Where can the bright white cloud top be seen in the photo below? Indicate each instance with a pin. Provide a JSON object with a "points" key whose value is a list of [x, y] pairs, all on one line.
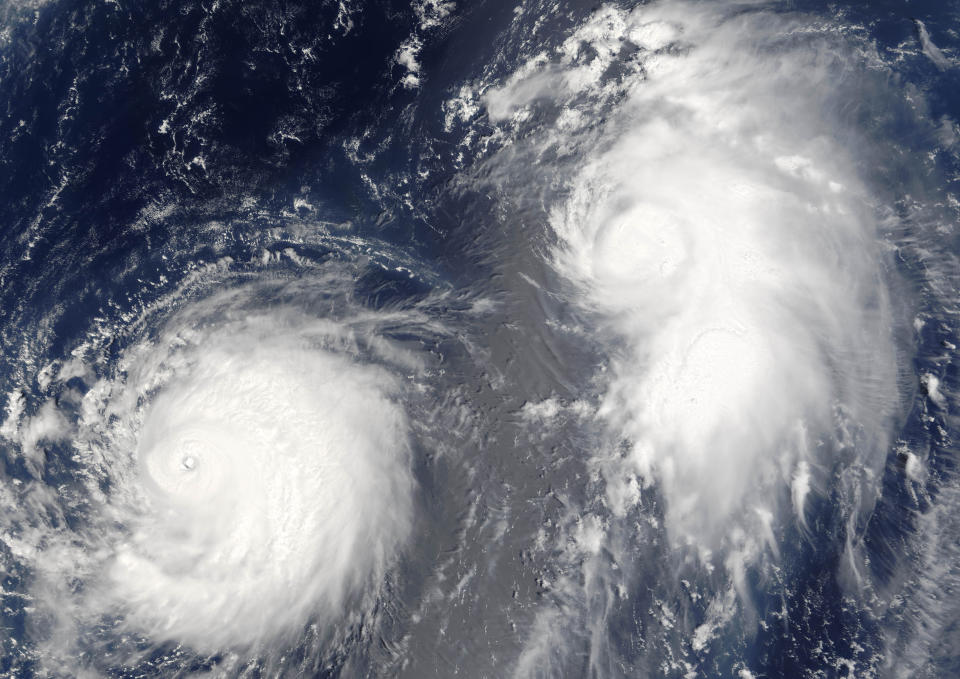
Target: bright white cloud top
{"points": [[273, 482], [245, 470], [717, 226]]}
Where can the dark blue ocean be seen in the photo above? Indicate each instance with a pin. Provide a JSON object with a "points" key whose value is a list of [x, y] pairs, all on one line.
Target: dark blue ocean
{"points": [[487, 339]]}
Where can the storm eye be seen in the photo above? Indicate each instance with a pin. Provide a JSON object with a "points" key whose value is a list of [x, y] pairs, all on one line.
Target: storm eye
{"points": [[189, 463]]}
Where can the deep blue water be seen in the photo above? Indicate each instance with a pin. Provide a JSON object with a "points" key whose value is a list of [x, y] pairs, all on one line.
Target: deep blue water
{"points": [[142, 141]]}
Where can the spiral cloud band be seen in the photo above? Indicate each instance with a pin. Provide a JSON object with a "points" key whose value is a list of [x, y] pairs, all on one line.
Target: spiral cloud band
{"points": [[276, 482], [244, 473], [718, 229]]}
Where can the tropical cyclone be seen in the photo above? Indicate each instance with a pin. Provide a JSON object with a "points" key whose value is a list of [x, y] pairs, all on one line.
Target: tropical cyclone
{"points": [[245, 470], [276, 481]]}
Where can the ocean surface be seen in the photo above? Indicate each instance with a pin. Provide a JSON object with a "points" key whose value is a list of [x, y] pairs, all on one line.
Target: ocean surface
{"points": [[483, 339]]}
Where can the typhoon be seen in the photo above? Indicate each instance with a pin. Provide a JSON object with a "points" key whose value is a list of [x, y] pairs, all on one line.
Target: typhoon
{"points": [[496, 339], [724, 235], [243, 469], [719, 229]]}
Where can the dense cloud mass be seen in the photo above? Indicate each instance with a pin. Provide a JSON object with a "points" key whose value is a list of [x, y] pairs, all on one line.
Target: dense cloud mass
{"points": [[275, 482], [246, 468], [719, 228]]}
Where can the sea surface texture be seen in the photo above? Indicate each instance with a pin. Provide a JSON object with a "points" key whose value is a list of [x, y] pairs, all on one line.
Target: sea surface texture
{"points": [[479, 338]]}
